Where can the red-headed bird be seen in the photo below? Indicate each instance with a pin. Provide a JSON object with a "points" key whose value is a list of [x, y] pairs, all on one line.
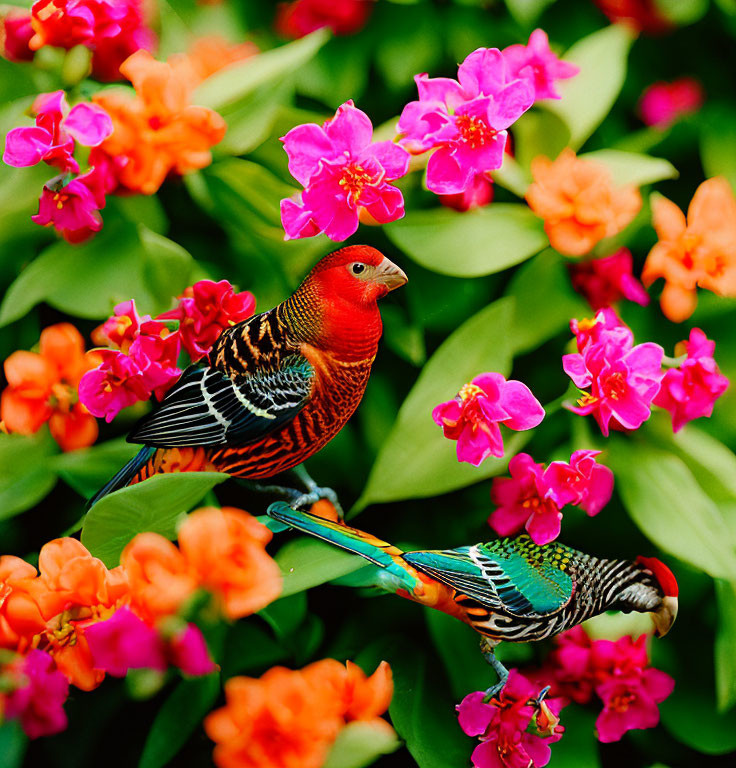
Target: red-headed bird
{"points": [[277, 387]]}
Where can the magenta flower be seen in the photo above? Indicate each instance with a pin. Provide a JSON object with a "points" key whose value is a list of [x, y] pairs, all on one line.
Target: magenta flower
{"points": [[582, 482], [38, 701], [523, 501], [205, 310], [502, 725], [479, 193], [690, 391], [188, 651], [662, 104], [342, 173], [536, 62], [124, 642], [16, 34], [605, 281], [122, 329], [465, 121], [473, 416], [57, 127]]}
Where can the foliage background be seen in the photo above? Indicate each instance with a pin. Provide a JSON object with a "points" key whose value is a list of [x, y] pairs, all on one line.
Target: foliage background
{"points": [[483, 295]]}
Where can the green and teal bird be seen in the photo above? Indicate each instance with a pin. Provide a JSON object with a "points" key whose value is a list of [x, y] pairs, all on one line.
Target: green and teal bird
{"points": [[507, 590]]}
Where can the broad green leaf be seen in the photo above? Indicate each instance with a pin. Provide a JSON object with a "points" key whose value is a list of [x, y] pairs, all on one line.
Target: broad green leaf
{"points": [[633, 168], [88, 469], [588, 97], [225, 89], [682, 12], [469, 244], [718, 141], [13, 743], [725, 658], [286, 614], [250, 647], [361, 743], [307, 562], [26, 471], [526, 12], [544, 301], [672, 510], [154, 505], [177, 719], [416, 460], [339, 72], [512, 176], [578, 748], [163, 258], [538, 132]]}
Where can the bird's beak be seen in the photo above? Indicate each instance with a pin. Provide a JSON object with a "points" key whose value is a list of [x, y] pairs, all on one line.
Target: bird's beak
{"points": [[388, 274], [665, 616]]}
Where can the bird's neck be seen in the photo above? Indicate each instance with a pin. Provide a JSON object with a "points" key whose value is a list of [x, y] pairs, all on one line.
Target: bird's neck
{"points": [[618, 585], [349, 331]]}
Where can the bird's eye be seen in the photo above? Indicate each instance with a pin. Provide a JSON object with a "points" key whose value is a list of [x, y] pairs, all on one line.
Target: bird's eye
{"points": [[357, 268]]}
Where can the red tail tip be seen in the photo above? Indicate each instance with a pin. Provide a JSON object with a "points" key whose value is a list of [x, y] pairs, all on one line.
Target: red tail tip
{"points": [[662, 573]]}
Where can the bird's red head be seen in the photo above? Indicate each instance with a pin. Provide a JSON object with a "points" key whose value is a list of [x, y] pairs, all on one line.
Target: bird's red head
{"points": [[665, 577]]}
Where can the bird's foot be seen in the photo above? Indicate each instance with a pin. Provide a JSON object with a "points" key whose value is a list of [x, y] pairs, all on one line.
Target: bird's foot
{"points": [[498, 668], [316, 493], [290, 495]]}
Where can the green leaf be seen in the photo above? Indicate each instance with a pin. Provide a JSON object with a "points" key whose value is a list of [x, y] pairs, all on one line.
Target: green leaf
{"points": [[177, 719], [162, 259], [682, 12], [88, 469], [725, 659], [307, 562], [578, 748], [13, 744], [154, 505], [416, 461], [544, 301], [672, 510], [361, 743], [633, 168], [469, 244], [588, 97], [718, 141], [538, 132], [526, 12], [225, 89], [286, 614], [26, 471]]}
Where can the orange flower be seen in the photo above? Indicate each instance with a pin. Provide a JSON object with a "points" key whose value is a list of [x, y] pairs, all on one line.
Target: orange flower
{"points": [[227, 550], [43, 388], [291, 718], [158, 131], [699, 251], [159, 577], [20, 618], [579, 203], [207, 56]]}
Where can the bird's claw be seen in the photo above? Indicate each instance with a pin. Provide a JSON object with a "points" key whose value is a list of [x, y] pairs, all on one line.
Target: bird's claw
{"points": [[316, 493]]}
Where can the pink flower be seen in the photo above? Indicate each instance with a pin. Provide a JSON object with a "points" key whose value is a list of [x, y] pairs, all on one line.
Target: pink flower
{"points": [[523, 501], [343, 17], [473, 416], [342, 172], [502, 725], [205, 310], [569, 666], [124, 642], [120, 330], [188, 651], [536, 62], [623, 379], [464, 121], [38, 702], [690, 391], [662, 104], [479, 193], [52, 138], [16, 33], [582, 482], [608, 280]]}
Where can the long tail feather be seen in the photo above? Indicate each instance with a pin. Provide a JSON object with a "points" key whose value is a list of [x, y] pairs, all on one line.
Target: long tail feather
{"points": [[125, 475]]}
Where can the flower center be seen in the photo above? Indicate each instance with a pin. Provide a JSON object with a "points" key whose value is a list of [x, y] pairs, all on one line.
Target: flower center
{"points": [[622, 702], [587, 399], [60, 199], [615, 386], [474, 131], [587, 323], [470, 392], [353, 179]]}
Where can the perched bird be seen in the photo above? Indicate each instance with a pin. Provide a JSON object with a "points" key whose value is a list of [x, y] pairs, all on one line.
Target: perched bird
{"points": [[507, 590], [276, 387]]}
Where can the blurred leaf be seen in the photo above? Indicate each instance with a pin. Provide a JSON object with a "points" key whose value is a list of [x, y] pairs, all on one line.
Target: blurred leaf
{"points": [[307, 562], [177, 719], [403, 337], [338, 73], [588, 97], [26, 472], [512, 176], [226, 89], [286, 614], [665, 501], [718, 141], [682, 12], [526, 12], [163, 258], [538, 132], [416, 461], [361, 743], [151, 506], [544, 301], [725, 658], [633, 168], [13, 744], [16, 80], [248, 648], [469, 244], [578, 748], [88, 469], [140, 209]]}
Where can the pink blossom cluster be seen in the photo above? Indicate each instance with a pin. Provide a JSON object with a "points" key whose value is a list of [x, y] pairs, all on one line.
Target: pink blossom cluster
{"points": [[473, 416], [691, 390], [503, 725], [607, 280], [144, 359], [343, 17], [619, 381], [662, 104], [70, 202], [533, 496], [617, 673]]}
